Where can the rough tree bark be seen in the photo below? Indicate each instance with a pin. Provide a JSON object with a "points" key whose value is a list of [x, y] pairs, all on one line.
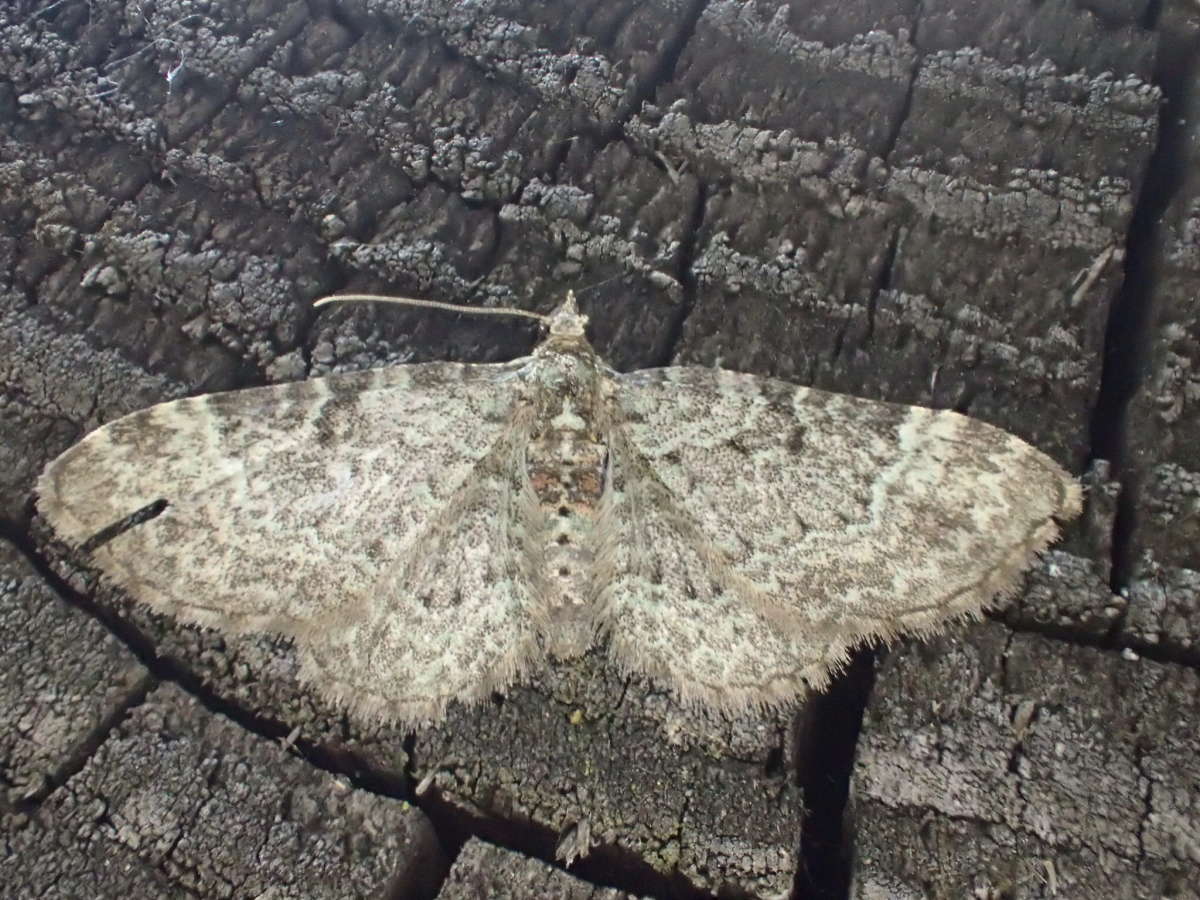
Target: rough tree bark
{"points": [[928, 201]]}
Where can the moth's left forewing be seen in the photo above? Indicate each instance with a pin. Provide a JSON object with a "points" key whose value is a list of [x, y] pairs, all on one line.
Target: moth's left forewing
{"points": [[852, 517]]}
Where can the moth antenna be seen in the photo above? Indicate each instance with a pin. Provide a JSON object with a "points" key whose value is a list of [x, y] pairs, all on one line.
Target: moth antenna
{"points": [[434, 304]]}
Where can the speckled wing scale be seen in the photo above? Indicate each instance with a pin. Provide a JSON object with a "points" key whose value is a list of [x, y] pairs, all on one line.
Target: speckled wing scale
{"points": [[428, 533]]}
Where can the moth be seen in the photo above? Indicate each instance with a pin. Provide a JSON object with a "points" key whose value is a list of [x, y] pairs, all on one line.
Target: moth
{"points": [[429, 533]]}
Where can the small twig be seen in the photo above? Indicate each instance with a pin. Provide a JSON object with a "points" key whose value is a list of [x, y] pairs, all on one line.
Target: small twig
{"points": [[1091, 275], [172, 73], [46, 9]]}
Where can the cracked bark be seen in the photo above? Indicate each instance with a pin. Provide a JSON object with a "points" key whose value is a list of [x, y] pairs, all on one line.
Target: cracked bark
{"points": [[754, 183]]}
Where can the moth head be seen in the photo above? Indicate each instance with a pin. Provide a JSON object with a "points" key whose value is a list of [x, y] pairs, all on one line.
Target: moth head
{"points": [[566, 320]]}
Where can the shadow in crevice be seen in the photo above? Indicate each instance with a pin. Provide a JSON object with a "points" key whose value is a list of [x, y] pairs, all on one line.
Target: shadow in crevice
{"points": [[825, 761], [687, 19], [604, 866], [1129, 330], [673, 339], [892, 138], [1109, 642]]}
